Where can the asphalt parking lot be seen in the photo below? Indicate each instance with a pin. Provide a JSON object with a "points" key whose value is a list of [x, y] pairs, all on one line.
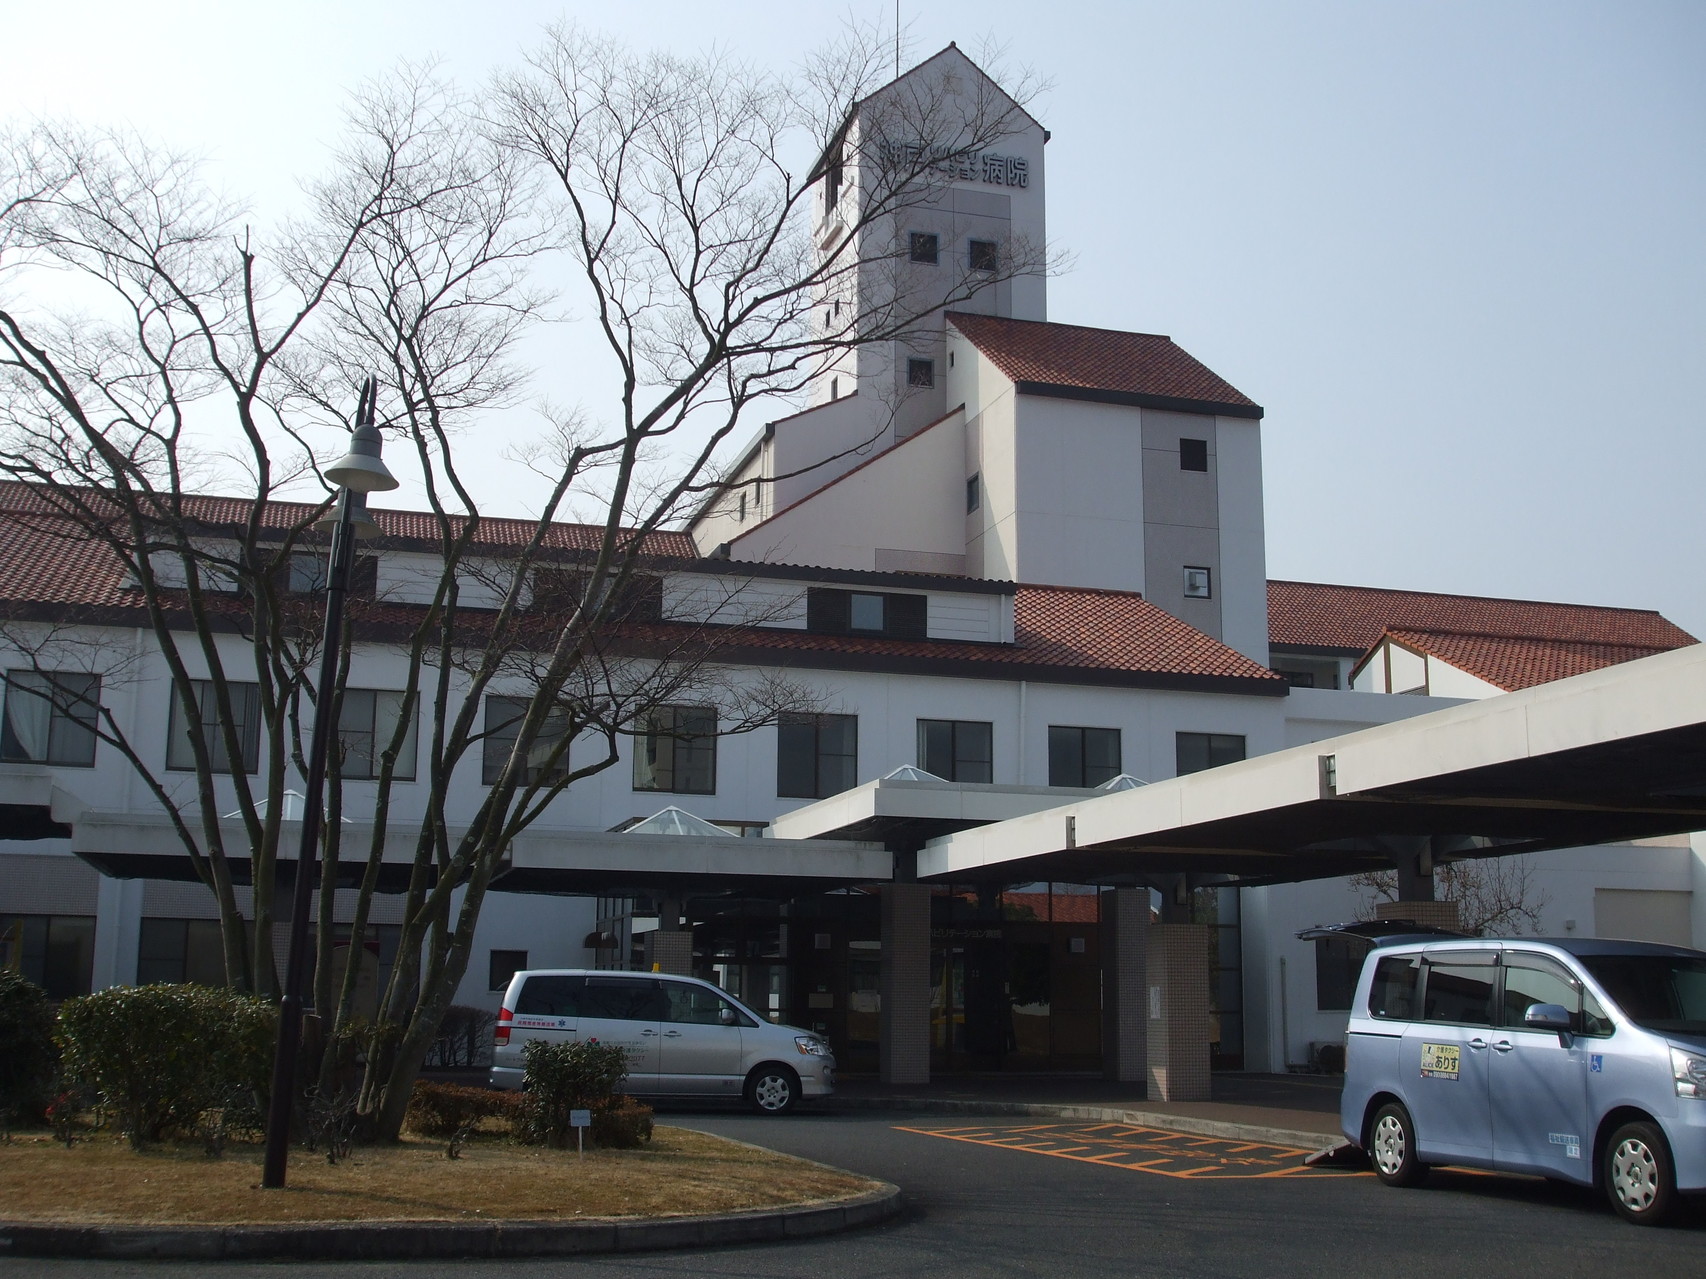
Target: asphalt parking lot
{"points": [[993, 1200]]}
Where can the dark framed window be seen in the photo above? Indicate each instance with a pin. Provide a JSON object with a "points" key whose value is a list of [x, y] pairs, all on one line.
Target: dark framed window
{"points": [[1393, 993], [678, 751], [1459, 990], [1193, 455], [816, 755], [840, 612], [639, 598], [959, 750], [924, 247], [366, 725], [503, 726], [50, 717], [974, 493], [984, 255], [56, 952], [1082, 756], [1199, 582], [1537, 979], [921, 372], [180, 950], [305, 574], [501, 965], [246, 722], [1196, 751]]}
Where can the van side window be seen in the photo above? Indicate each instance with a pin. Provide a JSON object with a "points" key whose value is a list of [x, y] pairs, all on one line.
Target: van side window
{"points": [[550, 997], [622, 999], [1459, 993], [1537, 979], [697, 1006], [1393, 994]]}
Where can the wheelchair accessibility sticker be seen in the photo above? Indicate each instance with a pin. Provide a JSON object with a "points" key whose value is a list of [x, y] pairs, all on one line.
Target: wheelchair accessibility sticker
{"points": [[1440, 1061], [1596, 1063]]}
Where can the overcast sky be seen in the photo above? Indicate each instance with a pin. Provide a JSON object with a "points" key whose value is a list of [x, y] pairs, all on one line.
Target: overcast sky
{"points": [[1458, 251]]}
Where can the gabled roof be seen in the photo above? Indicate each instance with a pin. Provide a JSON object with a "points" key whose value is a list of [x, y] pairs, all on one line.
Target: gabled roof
{"points": [[1351, 619], [1513, 662], [1070, 361]]}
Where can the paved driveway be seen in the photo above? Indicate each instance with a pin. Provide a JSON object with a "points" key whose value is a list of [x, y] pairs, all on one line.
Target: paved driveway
{"points": [[980, 1209]]}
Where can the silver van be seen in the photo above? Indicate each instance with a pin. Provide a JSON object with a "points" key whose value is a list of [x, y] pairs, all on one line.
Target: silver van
{"points": [[684, 1037], [1579, 1060]]}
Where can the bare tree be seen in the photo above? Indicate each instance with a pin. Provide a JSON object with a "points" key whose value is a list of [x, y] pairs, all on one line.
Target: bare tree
{"points": [[1494, 895], [685, 195]]}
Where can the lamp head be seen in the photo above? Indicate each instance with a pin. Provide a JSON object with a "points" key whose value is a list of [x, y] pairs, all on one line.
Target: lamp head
{"points": [[360, 470]]}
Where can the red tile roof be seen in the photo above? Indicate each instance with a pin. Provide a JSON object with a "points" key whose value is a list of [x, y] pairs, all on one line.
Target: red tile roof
{"points": [[1318, 616], [47, 565], [1510, 662], [18, 499], [1072, 357]]}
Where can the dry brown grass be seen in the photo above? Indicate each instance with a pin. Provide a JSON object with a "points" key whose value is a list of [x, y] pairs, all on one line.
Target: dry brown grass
{"points": [[101, 1181]]}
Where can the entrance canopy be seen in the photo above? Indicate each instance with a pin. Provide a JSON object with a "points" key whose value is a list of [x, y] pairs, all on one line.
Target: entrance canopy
{"points": [[1612, 755]]}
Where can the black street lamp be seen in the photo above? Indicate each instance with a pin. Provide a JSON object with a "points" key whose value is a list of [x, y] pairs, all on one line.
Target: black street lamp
{"points": [[358, 473]]}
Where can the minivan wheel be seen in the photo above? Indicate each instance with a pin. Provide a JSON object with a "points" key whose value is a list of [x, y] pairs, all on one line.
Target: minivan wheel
{"points": [[1392, 1147], [1639, 1178], [772, 1090]]}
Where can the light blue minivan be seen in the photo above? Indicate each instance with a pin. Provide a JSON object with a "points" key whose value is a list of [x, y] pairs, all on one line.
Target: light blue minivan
{"points": [[1579, 1060]]}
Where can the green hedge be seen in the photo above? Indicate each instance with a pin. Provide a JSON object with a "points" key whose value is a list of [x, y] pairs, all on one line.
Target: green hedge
{"points": [[559, 1078], [29, 1059], [157, 1057]]}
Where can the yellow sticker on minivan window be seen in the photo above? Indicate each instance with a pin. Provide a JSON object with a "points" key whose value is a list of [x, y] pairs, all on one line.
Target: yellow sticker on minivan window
{"points": [[1439, 1061]]}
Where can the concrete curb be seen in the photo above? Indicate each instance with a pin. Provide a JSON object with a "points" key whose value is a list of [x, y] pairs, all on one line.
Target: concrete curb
{"points": [[408, 1240], [1294, 1138]]}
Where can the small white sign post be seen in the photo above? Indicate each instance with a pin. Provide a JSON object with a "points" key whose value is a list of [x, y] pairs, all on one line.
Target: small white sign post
{"points": [[580, 1121]]}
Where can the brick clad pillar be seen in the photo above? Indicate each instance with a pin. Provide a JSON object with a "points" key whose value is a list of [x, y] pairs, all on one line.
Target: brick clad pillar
{"points": [[669, 951], [1178, 1011], [1440, 914], [904, 1051], [1125, 942]]}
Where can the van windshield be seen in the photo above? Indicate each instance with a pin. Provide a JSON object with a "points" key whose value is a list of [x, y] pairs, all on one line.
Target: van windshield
{"points": [[1658, 992]]}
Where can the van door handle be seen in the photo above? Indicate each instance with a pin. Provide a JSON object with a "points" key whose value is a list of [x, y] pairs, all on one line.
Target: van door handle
{"points": [[1477, 1043], [648, 1032], [1502, 1046], [672, 1034]]}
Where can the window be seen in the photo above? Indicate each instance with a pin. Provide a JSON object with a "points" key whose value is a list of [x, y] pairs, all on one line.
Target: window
{"points": [[366, 725], [503, 726], [678, 751], [1193, 455], [832, 185], [245, 724], [1338, 964], [956, 749], [553, 996], [741, 513], [56, 952], [621, 999], [639, 598], [180, 950], [1393, 994], [1297, 679], [501, 965], [974, 493], [1535, 979], [1459, 991], [305, 574], [50, 717], [696, 1006], [1194, 752], [984, 255], [921, 373], [923, 246], [839, 612], [1082, 756], [1199, 583], [835, 388], [816, 755]]}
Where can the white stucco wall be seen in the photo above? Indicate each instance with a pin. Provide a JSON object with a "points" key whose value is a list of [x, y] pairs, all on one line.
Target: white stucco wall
{"points": [[1243, 537]]}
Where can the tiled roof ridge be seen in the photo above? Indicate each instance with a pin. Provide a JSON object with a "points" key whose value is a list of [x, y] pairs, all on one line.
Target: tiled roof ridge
{"points": [[1458, 595], [979, 318], [1521, 637]]}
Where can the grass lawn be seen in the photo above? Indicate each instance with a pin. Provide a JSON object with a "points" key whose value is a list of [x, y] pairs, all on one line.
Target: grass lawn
{"points": [[100, 1180]]}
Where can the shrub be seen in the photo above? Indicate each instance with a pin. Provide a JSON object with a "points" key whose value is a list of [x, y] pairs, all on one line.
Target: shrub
{"points": [[464, 1038], [158, 1056], [443, 1110], [622, 1124], [561, 1078], [28, 1058]]}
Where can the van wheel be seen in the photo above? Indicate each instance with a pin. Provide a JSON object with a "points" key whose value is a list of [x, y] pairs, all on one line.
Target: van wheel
{"points": [[1639, 1178], [772, 1090], [1392, 1147]]}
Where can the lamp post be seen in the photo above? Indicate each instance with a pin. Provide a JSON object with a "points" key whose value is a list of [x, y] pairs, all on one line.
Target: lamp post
{"points": [[358, 473]]}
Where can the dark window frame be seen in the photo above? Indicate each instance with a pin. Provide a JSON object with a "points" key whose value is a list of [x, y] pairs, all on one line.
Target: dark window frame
{"points": [[506, 963], [1217, 750], [829, 611], [1059, 748], [680, 739], [499, 739], [72, 716], [1207, 591], [44, 962], [807, 732], [959, 762], [924, 248], [920, 373], [246, 709], [974, 492], [983, 256], [1193, 454], [408, 754]]}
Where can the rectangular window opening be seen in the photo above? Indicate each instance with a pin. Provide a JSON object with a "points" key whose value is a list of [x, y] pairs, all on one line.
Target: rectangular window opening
{"points": [[50, 717], [923, 247], [974, 493], [957, 750], [504, 716], [1082, 756], [1193, 455], [1199, 582], [678, 751], [921, 373], [816, 755], [1195, 752], [984, 255], [245, 701]]}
